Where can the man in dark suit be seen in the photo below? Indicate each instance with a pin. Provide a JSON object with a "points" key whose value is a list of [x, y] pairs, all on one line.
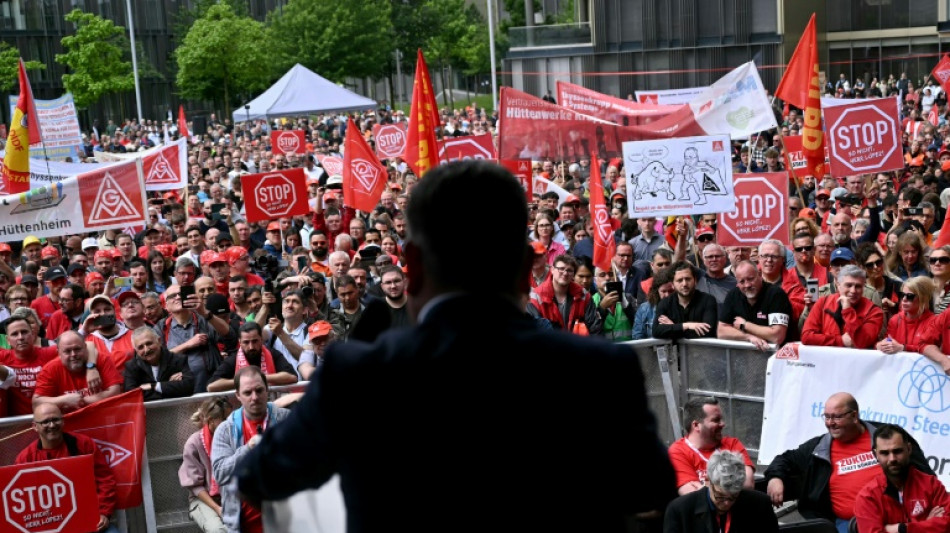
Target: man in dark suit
{"points": [[722, 505], [431, 428], [159, 373]]}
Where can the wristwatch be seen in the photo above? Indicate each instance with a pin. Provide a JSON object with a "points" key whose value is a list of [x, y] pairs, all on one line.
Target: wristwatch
{"points": [[90, 366], [742, 327]]}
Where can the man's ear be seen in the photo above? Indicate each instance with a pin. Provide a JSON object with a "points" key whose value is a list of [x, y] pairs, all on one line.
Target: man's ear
{"points": [[414, 267]]}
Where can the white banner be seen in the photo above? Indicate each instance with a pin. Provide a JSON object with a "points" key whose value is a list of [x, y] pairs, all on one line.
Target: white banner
{"points": [[59, 125], [165, 167], [682, 176], [669, 96], [905, 389], [736, 104], [105, 198]]}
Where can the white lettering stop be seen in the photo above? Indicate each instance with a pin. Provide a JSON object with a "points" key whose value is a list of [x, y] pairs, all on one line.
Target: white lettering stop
{"points": [[274, 194], [34, 499], [862, 135], [754, 206]]}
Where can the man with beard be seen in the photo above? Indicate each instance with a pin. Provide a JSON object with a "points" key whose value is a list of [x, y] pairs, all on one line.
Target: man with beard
{"points": [[319, 252], [152, 308], [252, 352], [63, 380], [841, 227], [159, 373], [393, 283], [239, 261], [900, 495], [756, 311], [72, 300], [688, 313], [772, 265], [703, 423]]}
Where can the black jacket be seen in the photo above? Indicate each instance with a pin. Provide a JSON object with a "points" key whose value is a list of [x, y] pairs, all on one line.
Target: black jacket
{"points": [[692, 513], [554, 434], [138, 372], [806, 470]]}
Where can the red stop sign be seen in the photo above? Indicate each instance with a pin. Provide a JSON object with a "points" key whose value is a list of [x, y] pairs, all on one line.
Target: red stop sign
{"points": [[275, 194], [761, 211], [864, 136], [463, 148], [390, 140], [51, 496]]}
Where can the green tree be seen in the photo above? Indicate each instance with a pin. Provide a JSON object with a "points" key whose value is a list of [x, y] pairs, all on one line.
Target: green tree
{"points": [[94, 57], [334, 39], [10, 68], [223, 55]]}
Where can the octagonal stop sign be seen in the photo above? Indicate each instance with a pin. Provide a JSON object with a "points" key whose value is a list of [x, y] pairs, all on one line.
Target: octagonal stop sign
{"points": [[761, 211], [56, 496], [275, 195], [864, 137]]}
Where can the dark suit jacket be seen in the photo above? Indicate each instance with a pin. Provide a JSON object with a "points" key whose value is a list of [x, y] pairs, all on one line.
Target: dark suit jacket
{"points": [[473, 420], [691, 513], [138, 372]]}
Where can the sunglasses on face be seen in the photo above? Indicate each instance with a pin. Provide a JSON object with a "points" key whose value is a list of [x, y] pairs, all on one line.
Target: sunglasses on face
{"points": [[943, 260], [704, 238], [874, 264], [803, 249], [909, 296]]}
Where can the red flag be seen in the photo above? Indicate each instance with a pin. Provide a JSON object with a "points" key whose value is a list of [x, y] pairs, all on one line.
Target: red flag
{"points": [[941, 72], [24, 131], [117, 425], [604, 245], [364, 177], [421, 148], [182, 123], [933, 116], [799, 87]]}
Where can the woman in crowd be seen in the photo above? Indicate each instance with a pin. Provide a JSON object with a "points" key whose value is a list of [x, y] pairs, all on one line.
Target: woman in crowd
{"points": [[661, 287], [158, 278], [804, 225], [390, 245], [940, 271], [204, 500], [585, 275], [907, 330], [544, 232], [871, 259], [906, 259]]}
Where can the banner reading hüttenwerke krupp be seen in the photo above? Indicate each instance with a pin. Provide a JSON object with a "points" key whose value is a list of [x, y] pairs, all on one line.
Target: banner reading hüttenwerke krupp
{"points": [[105, 198], [905, 389]]}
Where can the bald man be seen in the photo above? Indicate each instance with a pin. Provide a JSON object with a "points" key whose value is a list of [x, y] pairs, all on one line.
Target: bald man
{"points": [[54, 443], [62, 381], [832, 467]]}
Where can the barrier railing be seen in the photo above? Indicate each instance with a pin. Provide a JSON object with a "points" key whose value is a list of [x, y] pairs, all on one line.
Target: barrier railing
{"points": [[734, 372]]}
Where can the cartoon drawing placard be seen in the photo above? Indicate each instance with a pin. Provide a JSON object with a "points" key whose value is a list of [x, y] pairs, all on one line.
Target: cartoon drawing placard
{"points": [[683, 176]]}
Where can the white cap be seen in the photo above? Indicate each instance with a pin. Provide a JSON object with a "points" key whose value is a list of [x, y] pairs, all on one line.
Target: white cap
{"points": [[89, 242]]}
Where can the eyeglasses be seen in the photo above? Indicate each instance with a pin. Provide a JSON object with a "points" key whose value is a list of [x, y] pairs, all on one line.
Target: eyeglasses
{"points": [[770, 257], [874, 264], [803, 249], [909, 296], [545, 225], [721, 496], [704, 238], [841, 416], [49, 421], [172, 296], [714, 257], [564, 270], [625, 255], [943, 260]]}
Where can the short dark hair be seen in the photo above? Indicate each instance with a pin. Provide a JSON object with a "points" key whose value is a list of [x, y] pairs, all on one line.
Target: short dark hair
{"points": [[250, 326], [685, 265], [887, 431], [249, 369], [79, 293], [694, 410]]}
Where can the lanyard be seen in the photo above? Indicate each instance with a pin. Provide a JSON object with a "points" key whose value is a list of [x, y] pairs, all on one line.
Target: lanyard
{"points": [[724, 528], [691, 447]]}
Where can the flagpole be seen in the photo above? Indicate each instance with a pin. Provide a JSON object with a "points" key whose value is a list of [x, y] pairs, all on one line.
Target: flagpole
{"points": [[491, 50], [135, 64]]}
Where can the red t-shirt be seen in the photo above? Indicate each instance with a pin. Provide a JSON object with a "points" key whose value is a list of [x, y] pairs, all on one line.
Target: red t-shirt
{"points": [[55, 380], [119, 348], [20, 395], [45, 308], [251, 521], [689, 463], [853, 465]]}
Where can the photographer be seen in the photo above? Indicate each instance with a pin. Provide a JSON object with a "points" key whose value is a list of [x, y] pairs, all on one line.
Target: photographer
{"points": [[288, 337]]}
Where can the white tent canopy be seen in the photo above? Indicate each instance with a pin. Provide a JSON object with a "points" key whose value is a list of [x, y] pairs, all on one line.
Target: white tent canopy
{"points": [[301, 92]]}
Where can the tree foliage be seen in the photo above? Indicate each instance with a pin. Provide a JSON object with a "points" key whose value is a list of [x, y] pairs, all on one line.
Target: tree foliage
{"points": [[94, 57], [334, 39], [223, 55], [10, 68]]}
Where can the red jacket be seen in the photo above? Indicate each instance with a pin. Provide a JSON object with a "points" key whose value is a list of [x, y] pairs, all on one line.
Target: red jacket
{"points": [[912, 333], [105, 480], [319, 222], [937, 332], [862, 323], [793, 288], [543, 299], [877, 504], [58, 323]]}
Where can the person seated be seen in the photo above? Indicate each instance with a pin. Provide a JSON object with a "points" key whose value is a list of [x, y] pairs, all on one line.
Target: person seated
{"points": [[756, 311], [726, 504], [922, 501], [252, 352], [204, 494], [661, 287], [54, 443], [846, 319], [689, 313], [159, 373], [907, 330], [64, 380], [703, 423]]}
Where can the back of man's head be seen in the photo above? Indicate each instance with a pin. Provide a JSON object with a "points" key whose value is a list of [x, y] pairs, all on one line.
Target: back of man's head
{"points": [[432, 216]]}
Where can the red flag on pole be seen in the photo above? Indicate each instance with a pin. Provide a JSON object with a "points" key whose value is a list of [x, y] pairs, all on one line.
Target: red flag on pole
{"points": [[182, 123], [364, 177], [941, 72], [799, 87], [933, 117], [24, 131], [421, 148], [117, 425], [604, 245]]}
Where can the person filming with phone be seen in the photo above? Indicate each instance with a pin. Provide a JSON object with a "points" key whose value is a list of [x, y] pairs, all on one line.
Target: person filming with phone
{"points": [[186, 332]]}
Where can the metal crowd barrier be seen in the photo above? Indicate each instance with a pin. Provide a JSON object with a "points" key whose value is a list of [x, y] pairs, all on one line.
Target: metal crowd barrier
{"points": [[733, 372]]}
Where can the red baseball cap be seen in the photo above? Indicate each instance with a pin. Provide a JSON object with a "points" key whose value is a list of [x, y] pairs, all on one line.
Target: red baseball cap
{"points": [[116, 253], [273, 226], [102, 253], [235, 254], [539, 249], [94, 276], [704, 230], [823, 192], [5, 248], [320, 328], [215, 257], [49, 252], [206, 256]]}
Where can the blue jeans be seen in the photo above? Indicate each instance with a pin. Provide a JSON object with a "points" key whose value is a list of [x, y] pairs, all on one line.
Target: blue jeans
{"points": [[842, 525]]}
